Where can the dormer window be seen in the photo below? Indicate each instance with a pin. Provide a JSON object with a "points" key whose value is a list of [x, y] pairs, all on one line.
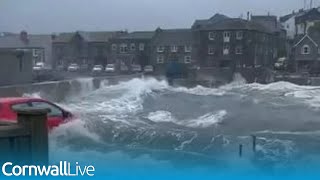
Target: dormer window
{"points": [[305, 49]]}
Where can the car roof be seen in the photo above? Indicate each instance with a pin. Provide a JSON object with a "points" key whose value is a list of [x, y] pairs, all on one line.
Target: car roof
{"points": [[18, 99]]}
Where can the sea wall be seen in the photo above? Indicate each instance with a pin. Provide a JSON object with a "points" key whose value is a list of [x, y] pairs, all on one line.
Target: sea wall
{"points": [[58, 90]]}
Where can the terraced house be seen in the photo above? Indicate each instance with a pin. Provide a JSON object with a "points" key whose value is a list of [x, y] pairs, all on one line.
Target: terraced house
{"points": [[132, 48], [172, 45], [83, 48], [234, 43]]}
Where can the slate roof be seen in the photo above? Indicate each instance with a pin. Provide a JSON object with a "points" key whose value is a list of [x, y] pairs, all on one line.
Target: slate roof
{"points": [[138, 35], [34, 41], [214, 19], [237, 24], [102, 36], [287, 17], [179, 37]]}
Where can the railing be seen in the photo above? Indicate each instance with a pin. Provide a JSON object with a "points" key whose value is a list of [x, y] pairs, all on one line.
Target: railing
{"points": [[25, 142]]}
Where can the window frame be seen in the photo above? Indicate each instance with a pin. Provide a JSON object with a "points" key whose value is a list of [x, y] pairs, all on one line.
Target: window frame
{"points": [[187, 61], [160, 59], [114, 47], [141, 46], [239, 35], [188, 48], [132, 46], [226, 47], [123, 48], [304, 48], [160, 49], [212, 35], [239, 48], [174, 48], [211, 52]]}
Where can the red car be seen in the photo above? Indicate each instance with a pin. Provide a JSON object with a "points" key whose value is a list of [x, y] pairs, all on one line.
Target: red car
{"points": [[56, 116]]}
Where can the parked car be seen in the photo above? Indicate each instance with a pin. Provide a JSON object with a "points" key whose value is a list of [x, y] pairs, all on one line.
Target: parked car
{"points": [[148, 69], [73, 67], [136, 68], [97, 69], [56, 116], [39, 66], [110, 68], [124, 69], [281, 64]]}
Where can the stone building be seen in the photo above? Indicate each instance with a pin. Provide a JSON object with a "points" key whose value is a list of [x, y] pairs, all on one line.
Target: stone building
{"points": [[172, 45], [131, 48], [83, 48], [234, 43]]}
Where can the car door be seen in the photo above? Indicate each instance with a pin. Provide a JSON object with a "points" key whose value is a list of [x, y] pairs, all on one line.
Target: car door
{"points": [[55, 116]]}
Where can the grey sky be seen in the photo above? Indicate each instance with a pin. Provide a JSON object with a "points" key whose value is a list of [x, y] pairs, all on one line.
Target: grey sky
{"points": [[46, 16]]}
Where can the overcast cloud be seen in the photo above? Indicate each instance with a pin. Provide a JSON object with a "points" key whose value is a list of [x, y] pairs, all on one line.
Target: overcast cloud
{"points": [[46, 16]]}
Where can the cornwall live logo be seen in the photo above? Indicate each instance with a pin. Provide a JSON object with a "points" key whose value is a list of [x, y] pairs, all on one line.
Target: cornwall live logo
{"points": [[63, 169]]}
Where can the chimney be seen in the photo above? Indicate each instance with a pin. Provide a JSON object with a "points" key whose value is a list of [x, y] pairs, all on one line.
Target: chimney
{"points": [[24, 37], [248, 16]]}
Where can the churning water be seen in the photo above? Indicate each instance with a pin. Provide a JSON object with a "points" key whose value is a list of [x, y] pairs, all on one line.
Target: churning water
{"points": [[144, 123]]}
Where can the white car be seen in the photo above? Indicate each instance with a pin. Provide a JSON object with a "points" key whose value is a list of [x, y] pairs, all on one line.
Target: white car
{"points": [[97, 69], [110, 68], [39, 66], [148, 69], [73, 67]]}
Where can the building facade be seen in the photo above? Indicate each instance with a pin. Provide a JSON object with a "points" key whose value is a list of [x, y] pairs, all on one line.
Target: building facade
{"points": [[235, 43], [83, 48], [15, 66], [172, 45], [305, 20], [132, 48], [40, 45], [307, 52]]}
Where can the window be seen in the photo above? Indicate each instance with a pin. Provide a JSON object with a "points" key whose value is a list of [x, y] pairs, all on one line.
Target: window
{"points": [[160, 49], [239, 35], [36, 52], [226, 36], [141, 46], [123, 48], [239, 50], [21, 106], [174, 48], [54, 111], [226, 50], [212, 35], [187, 48], [160, 59], [133, 47], [187, 59], [114, 47], [210, 50], [305, 49]]}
